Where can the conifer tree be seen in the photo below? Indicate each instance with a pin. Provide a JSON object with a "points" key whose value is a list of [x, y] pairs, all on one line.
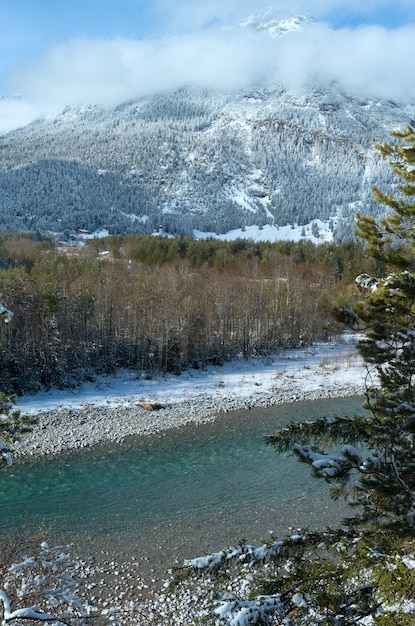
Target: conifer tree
{"points": [[374, 462], [12, 425]]}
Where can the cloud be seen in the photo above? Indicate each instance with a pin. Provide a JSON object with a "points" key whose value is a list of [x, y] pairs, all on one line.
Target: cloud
{"points": [[371, 61], [17, 112]]}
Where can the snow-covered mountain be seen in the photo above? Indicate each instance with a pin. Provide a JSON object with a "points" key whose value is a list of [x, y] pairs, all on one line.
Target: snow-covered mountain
{"points": [[276, 27], [199, 159]]}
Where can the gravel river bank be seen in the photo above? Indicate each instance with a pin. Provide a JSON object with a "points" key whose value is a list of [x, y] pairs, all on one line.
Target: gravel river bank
{"points": [[121, 566], [68, 429]]}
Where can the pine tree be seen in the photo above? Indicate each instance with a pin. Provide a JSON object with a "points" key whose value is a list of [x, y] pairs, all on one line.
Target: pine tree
{"points": [[368, 459], [388, 313], [373, 466]]}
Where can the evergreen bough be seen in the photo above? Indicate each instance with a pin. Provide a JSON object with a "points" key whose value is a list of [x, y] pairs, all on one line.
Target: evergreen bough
{"points": [[363, 572]]}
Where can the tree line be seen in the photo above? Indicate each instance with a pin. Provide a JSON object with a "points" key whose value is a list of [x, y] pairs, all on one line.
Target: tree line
{"points": [[160, 304]]}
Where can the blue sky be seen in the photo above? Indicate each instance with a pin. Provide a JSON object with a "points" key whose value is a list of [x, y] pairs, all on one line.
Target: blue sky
{"points": [[54, 53]]}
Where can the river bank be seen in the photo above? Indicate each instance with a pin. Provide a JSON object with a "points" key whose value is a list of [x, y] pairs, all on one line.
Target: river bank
{"points": [[110, 409], [114, 408]]}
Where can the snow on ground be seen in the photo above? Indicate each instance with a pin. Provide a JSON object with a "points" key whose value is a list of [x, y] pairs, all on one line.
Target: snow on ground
{"points": [[277, 233], [303, 370], [317, 231]]}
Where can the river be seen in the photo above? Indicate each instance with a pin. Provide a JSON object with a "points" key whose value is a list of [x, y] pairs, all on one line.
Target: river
{"points": [[176, 495]]}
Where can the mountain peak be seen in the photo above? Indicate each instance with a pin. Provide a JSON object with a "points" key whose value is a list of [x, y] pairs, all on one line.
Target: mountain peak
{"points": [[275, 26]]}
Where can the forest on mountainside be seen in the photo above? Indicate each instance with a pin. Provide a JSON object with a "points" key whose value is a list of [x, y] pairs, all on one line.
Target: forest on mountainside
{"points": [[198, 159], [159, 304]]}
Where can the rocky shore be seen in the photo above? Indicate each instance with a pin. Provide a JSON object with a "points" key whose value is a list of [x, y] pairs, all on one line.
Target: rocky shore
{"points": [[66, 429]]}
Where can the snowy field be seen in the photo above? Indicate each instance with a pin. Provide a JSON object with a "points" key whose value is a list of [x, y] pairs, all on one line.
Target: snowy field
{"points": [[317, 231], [296, 371]]}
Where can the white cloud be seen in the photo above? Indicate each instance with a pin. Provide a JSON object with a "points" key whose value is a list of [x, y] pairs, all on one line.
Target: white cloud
{"points": [[15, 113], [371, 61]]}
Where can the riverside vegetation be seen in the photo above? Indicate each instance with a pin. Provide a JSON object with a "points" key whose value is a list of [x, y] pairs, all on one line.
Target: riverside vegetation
{"points": [[162, 305]]}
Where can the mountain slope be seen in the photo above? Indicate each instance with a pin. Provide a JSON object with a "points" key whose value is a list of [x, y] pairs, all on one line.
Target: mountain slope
{"points": [[201, 159]]}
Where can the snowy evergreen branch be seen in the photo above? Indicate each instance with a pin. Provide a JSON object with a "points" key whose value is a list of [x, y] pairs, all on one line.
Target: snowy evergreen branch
{"points": [[12, 425], [242, 553]]}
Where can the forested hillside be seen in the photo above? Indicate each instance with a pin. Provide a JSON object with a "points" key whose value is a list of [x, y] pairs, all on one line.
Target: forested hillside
{"points": [[162, 304], [199, 159]]}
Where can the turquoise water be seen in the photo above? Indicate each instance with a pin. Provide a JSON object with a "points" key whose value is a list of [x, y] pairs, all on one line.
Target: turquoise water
{"points": [[175, 495]]}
